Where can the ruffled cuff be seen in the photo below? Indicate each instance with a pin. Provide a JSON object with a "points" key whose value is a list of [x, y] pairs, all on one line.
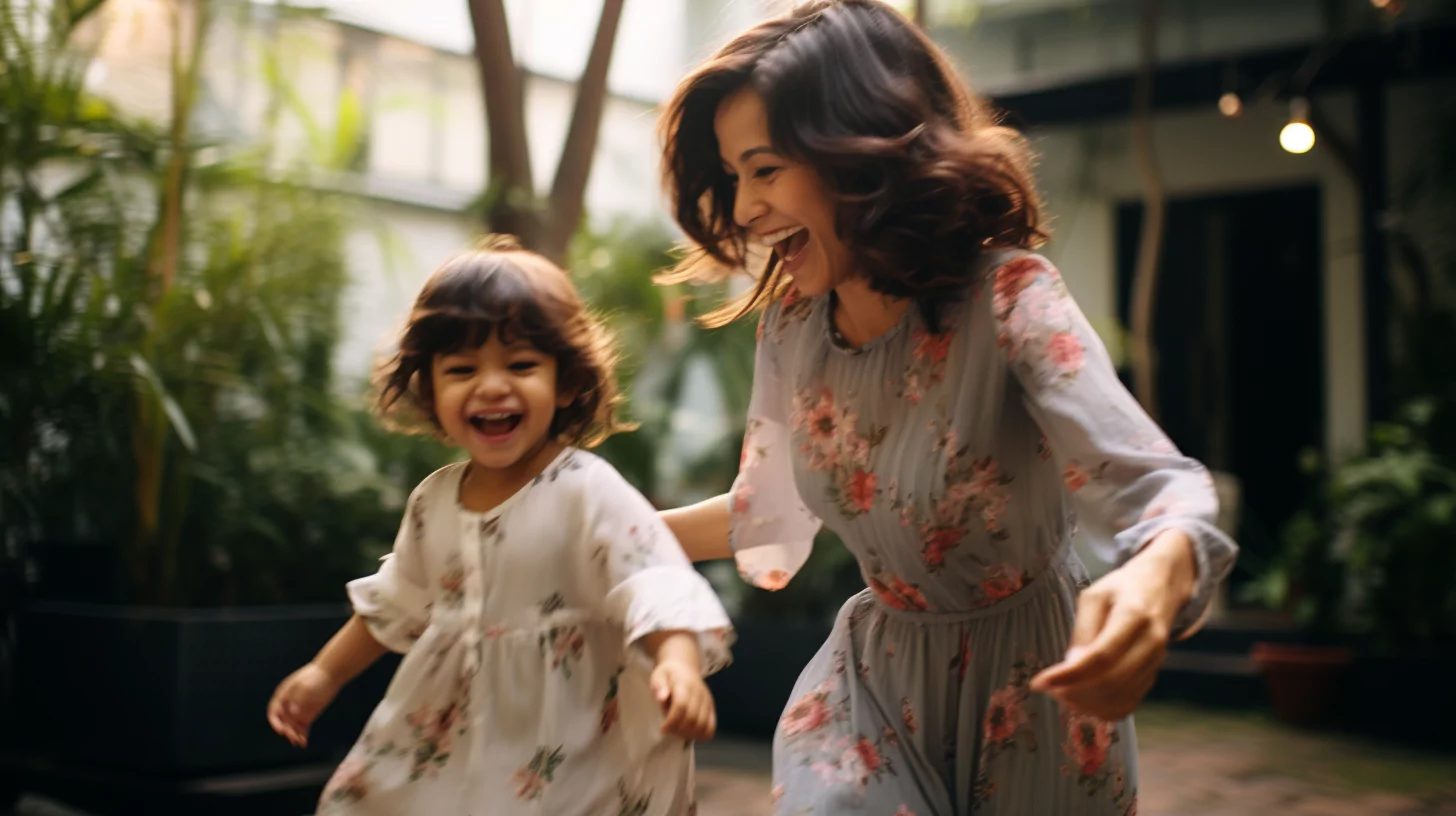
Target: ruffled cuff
{"points": [[1213, 553], [395, 611], [665, 599]]}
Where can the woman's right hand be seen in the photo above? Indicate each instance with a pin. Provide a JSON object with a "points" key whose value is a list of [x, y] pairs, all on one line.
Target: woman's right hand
{"points": [[299, 700]]}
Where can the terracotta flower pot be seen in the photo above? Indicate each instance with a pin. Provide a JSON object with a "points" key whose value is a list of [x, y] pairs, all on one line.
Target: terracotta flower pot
{"points": [[1302, 680]]}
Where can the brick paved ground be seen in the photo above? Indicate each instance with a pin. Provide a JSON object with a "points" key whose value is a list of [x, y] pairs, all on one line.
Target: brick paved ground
{"points": [[1194, 763]]}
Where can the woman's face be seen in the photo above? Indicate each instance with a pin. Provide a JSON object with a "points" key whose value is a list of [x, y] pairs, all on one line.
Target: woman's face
{"points": [[782, 204]]}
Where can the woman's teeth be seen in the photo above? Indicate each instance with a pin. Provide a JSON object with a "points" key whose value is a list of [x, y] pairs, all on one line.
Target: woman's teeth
{"points": [[773, 239]]}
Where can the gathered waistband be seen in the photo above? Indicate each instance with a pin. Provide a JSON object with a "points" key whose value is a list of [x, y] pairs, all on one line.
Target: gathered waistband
{"points": [[1036, 587]]}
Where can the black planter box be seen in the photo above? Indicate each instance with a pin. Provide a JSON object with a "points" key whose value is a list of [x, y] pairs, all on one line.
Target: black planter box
{"points": [[161, 700], [1420, 681]]}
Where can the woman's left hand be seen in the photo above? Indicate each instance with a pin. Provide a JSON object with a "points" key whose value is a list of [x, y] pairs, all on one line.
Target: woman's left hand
{"points": [[1121, 633]]}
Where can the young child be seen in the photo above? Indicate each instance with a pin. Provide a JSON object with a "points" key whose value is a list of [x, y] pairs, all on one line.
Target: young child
{"points": [[553, 630]]}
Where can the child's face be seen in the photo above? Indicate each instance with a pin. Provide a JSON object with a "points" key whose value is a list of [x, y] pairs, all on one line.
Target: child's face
{"points": [[782, 204], [497, 401]]}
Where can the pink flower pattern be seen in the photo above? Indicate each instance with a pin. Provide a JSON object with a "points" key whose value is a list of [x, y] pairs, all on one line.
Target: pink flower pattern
{"points": [[927, 366], [810, 712], [898, 594], [1007, 725], [832, 442], [1088, 747], [1038, 320], [564, 645], [452, 583], [530, 780]]}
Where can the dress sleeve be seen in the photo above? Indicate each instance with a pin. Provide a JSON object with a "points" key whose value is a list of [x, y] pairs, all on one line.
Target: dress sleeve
{"points": [[394, 601], [652, 587], [1122, 471], [771, 532]]}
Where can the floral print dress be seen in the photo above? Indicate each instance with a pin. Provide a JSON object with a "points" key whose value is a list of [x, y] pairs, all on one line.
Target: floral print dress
{"points": [[523, 689], [951, 464]]}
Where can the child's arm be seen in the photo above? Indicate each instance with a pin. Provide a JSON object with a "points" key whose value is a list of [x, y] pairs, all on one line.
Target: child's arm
{"points": [[701, 529], [303, 695], [677, 683]]}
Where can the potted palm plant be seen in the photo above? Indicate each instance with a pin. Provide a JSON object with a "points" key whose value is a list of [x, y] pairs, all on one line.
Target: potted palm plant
{"points": [[182, 486], [1305, 580], [1368, 570]]}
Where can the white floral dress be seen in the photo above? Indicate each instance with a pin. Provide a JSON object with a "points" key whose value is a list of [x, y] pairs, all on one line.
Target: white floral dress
{"points": [[523, 689], [951, 463]]}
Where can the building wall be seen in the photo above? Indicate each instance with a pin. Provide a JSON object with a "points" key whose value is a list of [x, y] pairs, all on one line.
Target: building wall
{"points": [[426, 141], [1088, 170], [421, 115], [1029, 44]]}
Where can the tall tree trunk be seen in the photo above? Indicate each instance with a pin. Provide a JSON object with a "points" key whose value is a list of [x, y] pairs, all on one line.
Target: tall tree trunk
{"points": [[1150, 247], [512, 207], [152, 560], [568, 191], [188, 18], [919, 13]]}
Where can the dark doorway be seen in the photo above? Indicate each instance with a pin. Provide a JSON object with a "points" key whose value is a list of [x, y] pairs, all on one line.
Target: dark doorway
{"points": [[1240, 343]]}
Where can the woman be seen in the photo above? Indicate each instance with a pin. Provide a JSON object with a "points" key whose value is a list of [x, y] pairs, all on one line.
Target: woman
{"points": [[926, 387]]}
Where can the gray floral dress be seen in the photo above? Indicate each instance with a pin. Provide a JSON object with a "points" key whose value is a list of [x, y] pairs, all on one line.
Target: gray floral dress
{"points": [[951, 463]]}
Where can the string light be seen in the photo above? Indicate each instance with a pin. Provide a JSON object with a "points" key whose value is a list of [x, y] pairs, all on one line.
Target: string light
{"points": [[1231, 105], [1297, 136]]}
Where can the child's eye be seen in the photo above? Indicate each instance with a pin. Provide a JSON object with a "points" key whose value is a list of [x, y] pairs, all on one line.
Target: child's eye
{"points": [[521, 366], [460, 370]]}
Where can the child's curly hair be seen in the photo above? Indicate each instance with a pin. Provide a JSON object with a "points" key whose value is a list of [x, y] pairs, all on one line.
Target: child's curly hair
{"points": [[500, 287]]}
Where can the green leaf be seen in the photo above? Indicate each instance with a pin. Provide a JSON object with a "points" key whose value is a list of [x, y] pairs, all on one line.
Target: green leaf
{"points": [[173, 411], [348, 131]]}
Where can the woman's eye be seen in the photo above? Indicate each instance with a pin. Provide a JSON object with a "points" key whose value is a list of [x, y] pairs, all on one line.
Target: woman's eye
{"points": [[765, 172]]}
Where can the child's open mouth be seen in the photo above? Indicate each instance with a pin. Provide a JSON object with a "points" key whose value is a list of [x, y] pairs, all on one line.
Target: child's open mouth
{"points": [[496, 423]]}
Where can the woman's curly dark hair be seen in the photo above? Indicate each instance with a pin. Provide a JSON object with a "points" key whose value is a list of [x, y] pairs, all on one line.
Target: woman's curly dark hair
{"points": [[925, 176], [500, 287]]}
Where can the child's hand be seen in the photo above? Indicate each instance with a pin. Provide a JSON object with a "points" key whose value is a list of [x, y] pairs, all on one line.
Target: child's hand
{"points": [[685, 700], [299, 700]]}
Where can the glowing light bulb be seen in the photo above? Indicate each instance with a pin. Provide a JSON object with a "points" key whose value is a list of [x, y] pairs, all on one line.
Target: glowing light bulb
{"points": [[1231, 105], [1297, 136]]}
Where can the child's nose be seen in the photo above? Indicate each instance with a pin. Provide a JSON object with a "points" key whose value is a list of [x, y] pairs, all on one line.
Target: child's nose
{"points": [[492, 383]]}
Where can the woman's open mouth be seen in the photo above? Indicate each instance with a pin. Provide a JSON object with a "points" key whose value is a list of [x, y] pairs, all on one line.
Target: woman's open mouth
{"points": [[789, 244]]}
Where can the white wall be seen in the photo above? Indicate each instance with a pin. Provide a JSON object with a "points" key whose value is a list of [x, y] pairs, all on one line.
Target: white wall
{"points": [[1088, 170], [390, 252]]}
